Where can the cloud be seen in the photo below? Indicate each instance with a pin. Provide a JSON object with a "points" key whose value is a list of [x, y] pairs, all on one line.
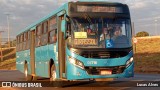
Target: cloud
{"points": [[25, 12], [3, 2], [15, 18], [22, 2], [142, 4], [28, 2], [138, 5], [41, 6]]}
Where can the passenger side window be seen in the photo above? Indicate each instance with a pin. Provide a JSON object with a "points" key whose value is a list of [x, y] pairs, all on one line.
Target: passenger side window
{"points": [[44, 37], [53, 36], [38, 35], [52, 23], [28, 40], [25, 41], [21, 42], [17, 45]]}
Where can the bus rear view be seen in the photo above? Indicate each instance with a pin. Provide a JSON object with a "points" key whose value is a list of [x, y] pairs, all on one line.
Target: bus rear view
{"points": [[99, 41]]}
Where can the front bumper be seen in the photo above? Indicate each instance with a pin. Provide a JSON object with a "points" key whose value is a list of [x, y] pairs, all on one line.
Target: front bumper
{"points": [[75, 73]]}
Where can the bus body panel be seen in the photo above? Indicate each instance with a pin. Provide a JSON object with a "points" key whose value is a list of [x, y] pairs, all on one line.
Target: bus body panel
{"points": [[53, 54], [19, 62], [75, 73], [44, 54], [101, 62], [23, 56], [78, 73], [39, 67], [44, 59]]}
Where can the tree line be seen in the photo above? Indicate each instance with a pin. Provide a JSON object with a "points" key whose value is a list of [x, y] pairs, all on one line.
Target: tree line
{"points": [[142, 34]]}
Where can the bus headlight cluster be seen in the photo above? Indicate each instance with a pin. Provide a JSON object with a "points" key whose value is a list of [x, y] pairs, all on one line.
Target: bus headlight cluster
{"points": [[129, 62], [76, 62]]}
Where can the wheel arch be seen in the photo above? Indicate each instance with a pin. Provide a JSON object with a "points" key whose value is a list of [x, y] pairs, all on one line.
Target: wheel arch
{"points": [[25, 64], [51, 62]]}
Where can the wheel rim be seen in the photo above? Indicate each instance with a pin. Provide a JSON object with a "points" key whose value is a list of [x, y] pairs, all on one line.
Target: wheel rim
{"points": [[26, 72], [54, 75]]}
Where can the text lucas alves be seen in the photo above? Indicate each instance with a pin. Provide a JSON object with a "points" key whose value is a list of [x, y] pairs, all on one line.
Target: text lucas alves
{"points": [[147, 84]]}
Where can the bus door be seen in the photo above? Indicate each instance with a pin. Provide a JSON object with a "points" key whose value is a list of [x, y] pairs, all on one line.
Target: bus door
{"points": [[61, 46], [32, 52]]}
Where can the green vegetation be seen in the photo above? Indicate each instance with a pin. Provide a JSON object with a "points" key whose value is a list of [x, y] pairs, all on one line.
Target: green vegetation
{"points": [[142, 34], [147, 56]]}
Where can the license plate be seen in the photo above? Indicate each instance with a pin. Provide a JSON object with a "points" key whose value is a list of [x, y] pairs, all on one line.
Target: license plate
{"points": [[105, 72]]}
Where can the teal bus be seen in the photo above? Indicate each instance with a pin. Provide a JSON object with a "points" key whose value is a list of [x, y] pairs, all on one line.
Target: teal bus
{"points": [[79, 40]]}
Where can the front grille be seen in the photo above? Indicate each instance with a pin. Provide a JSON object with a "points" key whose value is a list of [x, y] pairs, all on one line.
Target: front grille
{"points": [[96, 54], [97, 70], [103, 54]]}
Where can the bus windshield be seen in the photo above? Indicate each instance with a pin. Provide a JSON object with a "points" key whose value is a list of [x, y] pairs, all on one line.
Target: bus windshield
{"points": [[100, 32]]}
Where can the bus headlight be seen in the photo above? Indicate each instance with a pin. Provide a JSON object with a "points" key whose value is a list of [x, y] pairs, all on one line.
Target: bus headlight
{"points": [[76, 62], [129, 62]]}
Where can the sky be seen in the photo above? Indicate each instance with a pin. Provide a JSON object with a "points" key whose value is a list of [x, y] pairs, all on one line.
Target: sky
{"points": [[144, 13]]}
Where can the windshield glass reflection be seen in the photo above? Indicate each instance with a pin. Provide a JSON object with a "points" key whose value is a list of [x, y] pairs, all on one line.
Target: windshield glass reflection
{"points": [[100, 33]]}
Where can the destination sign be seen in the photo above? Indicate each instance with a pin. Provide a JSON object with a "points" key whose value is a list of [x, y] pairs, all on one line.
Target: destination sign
{"points": [[110, 9], [84, 41]]}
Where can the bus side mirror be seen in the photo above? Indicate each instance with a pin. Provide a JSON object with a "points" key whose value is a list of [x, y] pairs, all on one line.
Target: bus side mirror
{"points": [[64, 27]]}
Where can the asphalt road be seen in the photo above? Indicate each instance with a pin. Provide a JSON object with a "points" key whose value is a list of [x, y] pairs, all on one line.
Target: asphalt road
{"points": [[118, 84]]}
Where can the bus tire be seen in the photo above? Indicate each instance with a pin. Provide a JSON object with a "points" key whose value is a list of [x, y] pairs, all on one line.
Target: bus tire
{"points": [[34, 78], [27, 76], [53, 73]]}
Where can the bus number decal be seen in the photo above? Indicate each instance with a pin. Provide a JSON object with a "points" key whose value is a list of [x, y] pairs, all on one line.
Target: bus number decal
{"points": [[92, 62]]}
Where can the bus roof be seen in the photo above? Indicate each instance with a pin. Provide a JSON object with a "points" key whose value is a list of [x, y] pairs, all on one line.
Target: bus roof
{"points": [[101, 1], [62, 8], [43, 19]]}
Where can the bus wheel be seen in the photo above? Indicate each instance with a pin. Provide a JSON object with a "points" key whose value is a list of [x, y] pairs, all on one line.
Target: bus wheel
{"points": [[27, 76], [34, 78], [53, 73]]}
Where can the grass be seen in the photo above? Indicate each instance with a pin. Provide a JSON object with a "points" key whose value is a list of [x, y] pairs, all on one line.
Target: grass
{"points": [[8, 64], [147, 55], [148, 45], [9, 58]]}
